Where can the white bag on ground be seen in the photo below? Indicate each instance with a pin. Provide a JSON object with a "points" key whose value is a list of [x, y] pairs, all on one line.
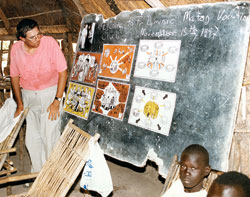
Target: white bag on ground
{"points": [[7, 120], [96, 175]]}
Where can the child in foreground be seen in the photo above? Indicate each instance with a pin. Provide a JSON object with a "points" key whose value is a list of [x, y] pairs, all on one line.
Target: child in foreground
{"points": [[230, 184], [194, 167]]}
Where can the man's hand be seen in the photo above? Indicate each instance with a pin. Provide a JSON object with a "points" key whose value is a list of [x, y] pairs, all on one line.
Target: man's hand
{"points": [[53, 110], [19, 109]]}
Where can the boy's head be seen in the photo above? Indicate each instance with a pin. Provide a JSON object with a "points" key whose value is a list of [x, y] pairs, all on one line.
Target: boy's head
{"points": [[194, 166], [230, 184]]}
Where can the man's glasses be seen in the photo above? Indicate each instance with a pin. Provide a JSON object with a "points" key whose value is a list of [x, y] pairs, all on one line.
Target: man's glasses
{"points": [[32, 38]]}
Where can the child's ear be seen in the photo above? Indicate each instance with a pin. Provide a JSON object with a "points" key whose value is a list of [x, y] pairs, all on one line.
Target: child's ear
{"points": [[207, 170]]}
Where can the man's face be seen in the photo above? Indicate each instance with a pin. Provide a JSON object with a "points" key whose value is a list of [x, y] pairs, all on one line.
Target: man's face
{"points": [[218, 190], [192, 172], [33, 37]]}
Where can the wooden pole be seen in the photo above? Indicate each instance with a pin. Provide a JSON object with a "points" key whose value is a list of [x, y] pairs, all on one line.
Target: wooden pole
{"points": [[21, 147], [18, 178], [70, 51]]}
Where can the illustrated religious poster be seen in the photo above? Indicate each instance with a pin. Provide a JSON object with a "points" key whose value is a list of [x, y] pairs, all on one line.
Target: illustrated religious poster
{"points": [[158, 59], [78, 100], [117, 61], [110, 99], [152, 109], [85, 68], [86, 36]]}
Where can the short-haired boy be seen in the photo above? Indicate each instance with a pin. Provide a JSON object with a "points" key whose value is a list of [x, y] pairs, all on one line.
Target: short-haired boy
{"points": [[194, 167], [230, 184]]}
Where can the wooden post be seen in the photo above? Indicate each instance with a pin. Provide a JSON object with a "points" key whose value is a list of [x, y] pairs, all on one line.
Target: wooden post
{"points": [[1, 58], [239, 155], [21, 147], [70, 51], [8, 188], [1, 74]]}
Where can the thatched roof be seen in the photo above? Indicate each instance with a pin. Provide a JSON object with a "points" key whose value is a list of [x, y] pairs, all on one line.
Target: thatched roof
{"points": [[60, 16]]}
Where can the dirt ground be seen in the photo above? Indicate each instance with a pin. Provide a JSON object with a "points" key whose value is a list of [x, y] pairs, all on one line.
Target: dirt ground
{"points": [[128, 180]]}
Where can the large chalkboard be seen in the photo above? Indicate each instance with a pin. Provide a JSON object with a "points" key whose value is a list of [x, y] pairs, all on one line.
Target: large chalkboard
{"points": [[214, 42]]}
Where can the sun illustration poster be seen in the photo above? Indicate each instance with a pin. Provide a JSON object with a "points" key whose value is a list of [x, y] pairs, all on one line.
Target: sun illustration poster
{"points": [[152, 109], [117, 61], [85, 68], [110, 99], [78, 100], [157, 59]]}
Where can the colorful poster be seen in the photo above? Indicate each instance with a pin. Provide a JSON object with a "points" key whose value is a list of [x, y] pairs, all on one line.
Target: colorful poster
{"points": [[111, 99], [78, 100], [158, 59], [152, 109], [86, 67], [117, 61]]}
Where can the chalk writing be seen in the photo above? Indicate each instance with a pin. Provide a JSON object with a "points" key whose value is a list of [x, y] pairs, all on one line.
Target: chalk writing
{"points": [[108, 36], [209, 32], [205, 32], [110, 25], [197, 16], [158, 34], [111, 30], [135, 21], [164, 21], [234, 14]]}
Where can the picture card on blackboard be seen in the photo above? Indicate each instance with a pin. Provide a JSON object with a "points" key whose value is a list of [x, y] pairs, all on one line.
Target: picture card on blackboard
{"points": [[78, 100], [152, 109], [86, 36], [117, 61], [158, 59], [111, 99], [86, 67]]}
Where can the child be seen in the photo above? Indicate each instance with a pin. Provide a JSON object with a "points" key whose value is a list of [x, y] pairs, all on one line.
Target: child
{"points": [[230, 184], [194, 167]]}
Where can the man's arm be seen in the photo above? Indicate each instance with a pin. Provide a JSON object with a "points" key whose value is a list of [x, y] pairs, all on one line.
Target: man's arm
{"points": [[17, 93], [53, 109]]}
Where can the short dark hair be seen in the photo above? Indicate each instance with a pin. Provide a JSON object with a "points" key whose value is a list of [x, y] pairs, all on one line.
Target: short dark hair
{"points": [[197, 149], [24, 26], [234, 178]]}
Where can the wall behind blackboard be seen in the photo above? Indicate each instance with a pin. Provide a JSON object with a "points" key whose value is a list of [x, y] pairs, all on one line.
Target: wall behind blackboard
{"points": [[214, 42]]}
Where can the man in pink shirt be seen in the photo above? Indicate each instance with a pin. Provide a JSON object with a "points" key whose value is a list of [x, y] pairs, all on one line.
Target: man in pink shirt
{"points": [[38, 73]]}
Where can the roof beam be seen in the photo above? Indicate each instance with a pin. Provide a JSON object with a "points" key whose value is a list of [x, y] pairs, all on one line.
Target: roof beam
{"points": [[44, 29], [80, 7], [155, 3], [5, 21], [68, 22], [34, 15]]}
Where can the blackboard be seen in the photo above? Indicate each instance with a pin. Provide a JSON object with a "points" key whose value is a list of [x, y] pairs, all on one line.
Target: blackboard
{"points": [[214, 42]]}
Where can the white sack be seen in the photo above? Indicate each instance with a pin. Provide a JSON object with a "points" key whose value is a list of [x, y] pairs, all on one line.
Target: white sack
{"points": [[7, 120], [96, 175]]}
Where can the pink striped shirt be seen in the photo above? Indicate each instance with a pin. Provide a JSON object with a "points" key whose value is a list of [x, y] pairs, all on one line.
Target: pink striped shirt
{"points": [[39, 70]]}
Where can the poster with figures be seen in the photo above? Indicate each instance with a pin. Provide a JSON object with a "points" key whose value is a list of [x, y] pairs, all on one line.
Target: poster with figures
{"points": [[152, 109], [78, 100], [86, 36], [117, 61], [158, 59], [111, 99], [85, 68]]}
